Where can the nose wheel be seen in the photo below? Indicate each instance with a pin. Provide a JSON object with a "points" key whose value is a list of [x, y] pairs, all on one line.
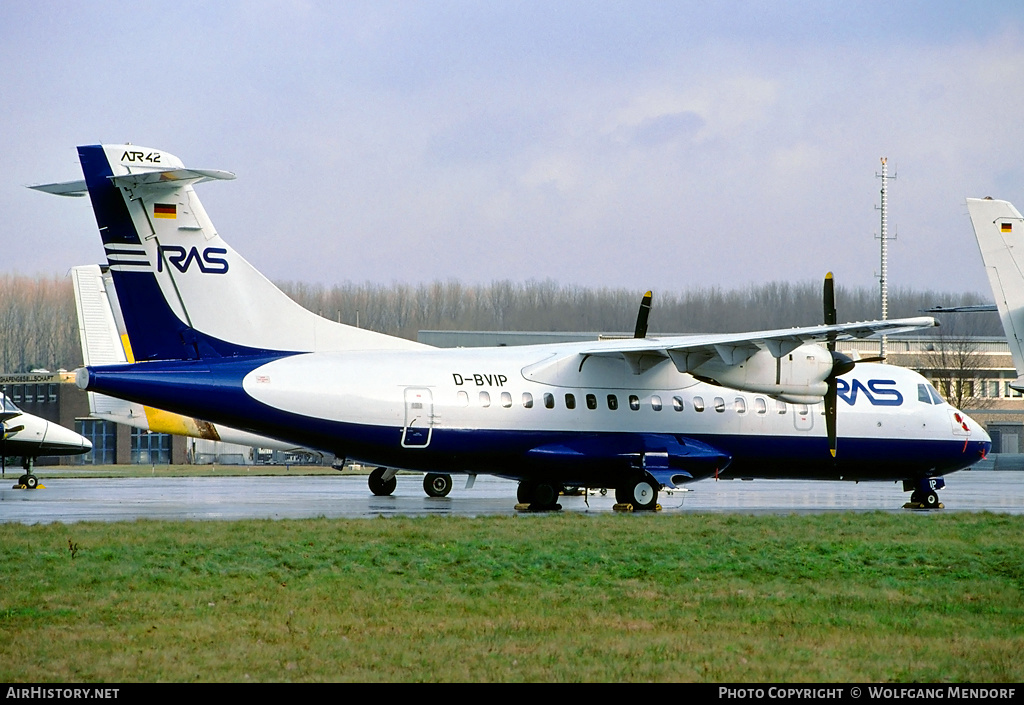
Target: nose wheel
{"points": [[923, 494], [28, 481], [925, 499]]}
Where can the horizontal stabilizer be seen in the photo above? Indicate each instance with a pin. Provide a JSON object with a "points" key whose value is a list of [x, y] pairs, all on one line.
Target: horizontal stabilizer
{"points": [[75, 189], [171, 178]]}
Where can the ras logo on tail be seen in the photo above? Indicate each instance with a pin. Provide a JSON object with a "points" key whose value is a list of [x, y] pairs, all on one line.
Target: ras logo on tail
{"points": [[208, 263]]}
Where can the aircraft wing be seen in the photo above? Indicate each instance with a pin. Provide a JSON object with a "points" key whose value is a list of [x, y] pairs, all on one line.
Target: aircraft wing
{"points": [[691, 351]]}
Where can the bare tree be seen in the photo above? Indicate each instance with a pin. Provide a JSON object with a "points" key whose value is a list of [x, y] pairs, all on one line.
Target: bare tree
{"points": [[956, 364]]}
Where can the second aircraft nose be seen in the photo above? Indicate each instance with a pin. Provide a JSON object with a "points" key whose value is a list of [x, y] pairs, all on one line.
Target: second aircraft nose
{"points": [[58, 440]]}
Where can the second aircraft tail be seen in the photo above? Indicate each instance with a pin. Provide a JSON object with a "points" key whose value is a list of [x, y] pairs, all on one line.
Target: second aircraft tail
{"points": [[999, 229]]}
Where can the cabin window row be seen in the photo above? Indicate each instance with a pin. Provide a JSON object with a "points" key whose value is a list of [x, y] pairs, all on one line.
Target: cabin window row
{"points": [[611, 402]]}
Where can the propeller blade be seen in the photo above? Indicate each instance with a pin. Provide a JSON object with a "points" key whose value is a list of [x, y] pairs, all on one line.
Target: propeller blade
{"points": [[841, 364], [830, 415], [641, 317], [876, 358], [829, 305]]}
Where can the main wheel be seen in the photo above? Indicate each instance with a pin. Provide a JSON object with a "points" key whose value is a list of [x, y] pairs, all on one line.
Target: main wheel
{"points": [[436, 485], [379, 486], [643, 494], [524, 493], [31, 481], [545, 495]]}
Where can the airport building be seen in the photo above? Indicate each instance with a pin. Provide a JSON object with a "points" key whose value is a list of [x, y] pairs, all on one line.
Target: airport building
{"points": [[974, 372]]}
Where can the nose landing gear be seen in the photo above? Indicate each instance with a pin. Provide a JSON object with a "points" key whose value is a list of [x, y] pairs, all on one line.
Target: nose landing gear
{"points": [[923, 494]]}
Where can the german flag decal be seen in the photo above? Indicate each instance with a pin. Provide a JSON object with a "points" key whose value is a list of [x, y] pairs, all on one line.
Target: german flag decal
{"points": [[165, 210], [1006, 227]]}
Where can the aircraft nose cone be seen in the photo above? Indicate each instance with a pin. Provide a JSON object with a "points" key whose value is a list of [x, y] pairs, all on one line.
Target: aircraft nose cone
{"points": [[977, 431], [58, 440], [977, 438]]}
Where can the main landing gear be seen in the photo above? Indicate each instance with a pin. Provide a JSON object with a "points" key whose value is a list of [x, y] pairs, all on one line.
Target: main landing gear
{"points": [[382, 483], [638, 493], [641, 493], [541, 495], [437, 485], [923, 494]]}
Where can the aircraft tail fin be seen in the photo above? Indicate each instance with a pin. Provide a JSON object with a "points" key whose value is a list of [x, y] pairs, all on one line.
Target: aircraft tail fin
{"points": [[999, 229], [184, 293]]}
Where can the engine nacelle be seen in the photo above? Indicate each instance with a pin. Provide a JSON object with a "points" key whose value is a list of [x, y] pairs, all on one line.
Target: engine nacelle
{"points": [[798, 376]]}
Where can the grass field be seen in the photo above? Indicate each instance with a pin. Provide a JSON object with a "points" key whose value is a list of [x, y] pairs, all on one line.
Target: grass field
{"points": [[834, 597]]}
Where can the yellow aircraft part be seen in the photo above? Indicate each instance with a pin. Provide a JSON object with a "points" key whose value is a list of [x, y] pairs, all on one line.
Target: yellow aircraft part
{"points": [[166, 422], [127, 345]]}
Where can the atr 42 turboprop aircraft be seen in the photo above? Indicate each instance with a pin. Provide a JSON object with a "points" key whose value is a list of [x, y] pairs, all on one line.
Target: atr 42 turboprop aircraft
{"points": [[29, 436], [105, 341], [999, 229], [214, 339]]}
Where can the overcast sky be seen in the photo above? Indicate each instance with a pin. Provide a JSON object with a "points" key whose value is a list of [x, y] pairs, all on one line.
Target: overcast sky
{"points": [[631, 144]]}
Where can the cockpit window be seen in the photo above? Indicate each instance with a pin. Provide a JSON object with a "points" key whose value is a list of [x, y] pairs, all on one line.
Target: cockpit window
{"points": [[923, 395], [936, 397], [7, 405]]}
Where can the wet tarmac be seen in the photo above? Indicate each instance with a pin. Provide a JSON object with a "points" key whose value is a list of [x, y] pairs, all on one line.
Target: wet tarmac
{"points": [[229, 498]]}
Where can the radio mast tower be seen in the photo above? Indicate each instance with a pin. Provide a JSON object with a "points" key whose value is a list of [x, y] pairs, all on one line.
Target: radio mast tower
{"points": [[884, 237]]}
